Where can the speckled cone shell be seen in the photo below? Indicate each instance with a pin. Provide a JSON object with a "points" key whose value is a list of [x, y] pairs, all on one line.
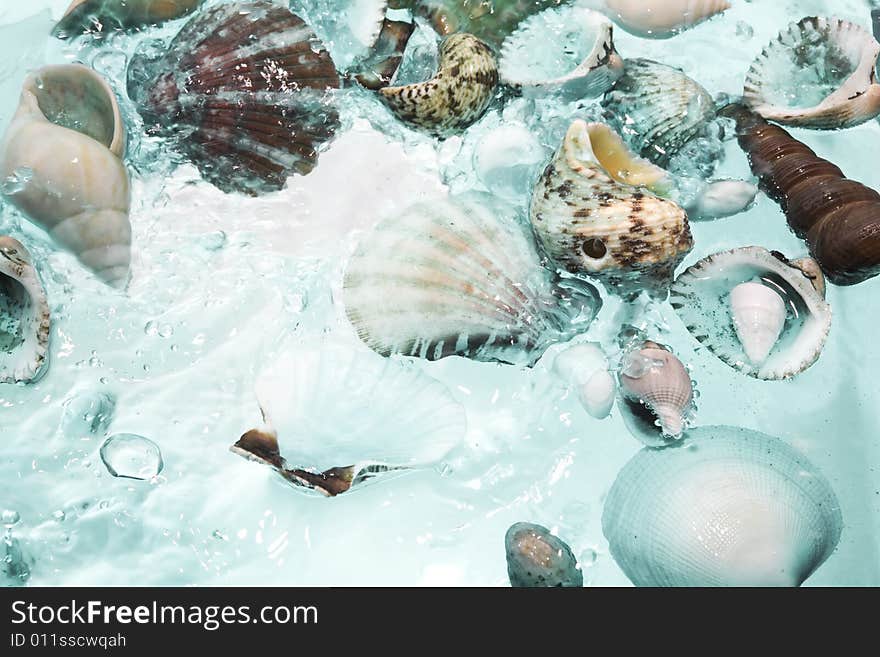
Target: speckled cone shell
{"points": [[856, 99], [24, 315], [594, 214], [758, 315], [663, 386], [728, 507], [457, 96], [661, 19], [536, 558], [101, 14]]}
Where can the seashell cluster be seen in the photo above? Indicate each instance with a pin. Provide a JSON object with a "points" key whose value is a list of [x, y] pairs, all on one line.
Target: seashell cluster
{"points": [[837, 217], [456, 96], [586, 367], [757, 311], [247, 112], [818, 73], [63, 153], [99, 15], [661, 19], [580, 62], [460, 277], [385, 416], [538, 559], [656, 394], [729, 507], [596, 213], [24, 316]]}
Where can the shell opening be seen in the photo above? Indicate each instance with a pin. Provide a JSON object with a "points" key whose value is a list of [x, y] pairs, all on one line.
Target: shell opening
{"points": [[612, 154], [78, 102], [14, 304], [594, 248]]}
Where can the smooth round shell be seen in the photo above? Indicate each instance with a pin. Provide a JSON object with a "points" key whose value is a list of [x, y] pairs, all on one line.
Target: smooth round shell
{"points": [[538, 559], [99, 15], [661, 19], [585, 367]]}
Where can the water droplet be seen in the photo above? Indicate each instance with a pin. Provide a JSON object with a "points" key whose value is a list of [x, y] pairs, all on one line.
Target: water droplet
{"points": [[588, 558], [151, 328], [131, 456], [9, 518], [87, 413], [59, 515], [213, 241]]}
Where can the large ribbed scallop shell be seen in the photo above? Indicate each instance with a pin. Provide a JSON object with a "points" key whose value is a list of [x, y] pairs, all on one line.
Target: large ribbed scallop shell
{"points": [[819, 73], [24, 315], [701, 297], [459, 276], [457, 96], [729, 507], [100, 15], [334, 416], [240, 91], [578, 61], [661, 19], [594, 214], [657, 109]]}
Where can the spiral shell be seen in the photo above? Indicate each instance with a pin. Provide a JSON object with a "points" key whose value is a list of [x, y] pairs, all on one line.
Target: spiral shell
{"points": [[825, 63], [98, 15], [24, 315], [594, 214], [537, 559], [63, 149], [758, 314], [457, 96], [729, 507], [839, 218], [460, 276], [661, 19]]}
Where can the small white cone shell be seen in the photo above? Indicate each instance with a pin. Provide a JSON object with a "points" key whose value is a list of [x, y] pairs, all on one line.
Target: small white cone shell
{"points": [[758, 316]]}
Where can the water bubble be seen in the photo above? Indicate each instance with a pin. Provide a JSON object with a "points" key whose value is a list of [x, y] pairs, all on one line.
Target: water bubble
{"points": [[151, 328], [9, 518], [588, 558], [59, 515], [213, 241], [88, 412], [131, 456]]}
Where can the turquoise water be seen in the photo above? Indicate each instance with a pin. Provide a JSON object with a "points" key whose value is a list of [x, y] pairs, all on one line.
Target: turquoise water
{"points": [[223, 286]]}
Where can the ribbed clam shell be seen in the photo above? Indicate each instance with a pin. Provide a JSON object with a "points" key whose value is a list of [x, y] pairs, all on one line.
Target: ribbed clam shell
{"points": [[101, 15], [827, 64], [701, 297], [655, 388], [457, 96], [24, 315], [657, 109], [459, 276], [569, 50], [661, 19], [758, 315], [333, 409], [594, 214], [838, 217], [349, 28], [729, 507], [240, 92], [537, 559], [585, 366]]}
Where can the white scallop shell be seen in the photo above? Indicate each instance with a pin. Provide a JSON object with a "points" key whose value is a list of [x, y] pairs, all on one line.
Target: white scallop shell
{"points": [[24, 315], [701, 297], [460, 276], [660, 19], [585, 366], [829, 64], [567, 49], [758, 315], [729, 507]]}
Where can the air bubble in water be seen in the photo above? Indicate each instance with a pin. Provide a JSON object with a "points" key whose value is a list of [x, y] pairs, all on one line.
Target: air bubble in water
{"points": [[131, 456], [10, 518], [87, 413]]}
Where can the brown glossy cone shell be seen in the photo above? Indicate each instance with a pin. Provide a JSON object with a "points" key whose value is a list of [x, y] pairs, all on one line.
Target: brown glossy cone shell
{"points": [[839, 218]]}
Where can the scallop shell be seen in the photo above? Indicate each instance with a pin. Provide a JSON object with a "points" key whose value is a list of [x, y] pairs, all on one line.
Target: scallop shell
{"points": [[586, 367], [825, 63], [656, 394], [334, 417], [460, 276], [457, 96], [661, 19], [701, 297], [538, 559], [758, 314], [657, 109], [578, 61], [240, 92], [349, 28], [99, 15], [24, 315], [594, 214], [729, 507]]}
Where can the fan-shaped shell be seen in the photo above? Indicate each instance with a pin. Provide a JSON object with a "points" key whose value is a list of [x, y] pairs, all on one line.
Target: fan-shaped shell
{"points": [[701, 297], [99, 15], [661, 19], [240, 92], [569, 50], [337, 416], [586, 367], [460, 276], [536, 558], [729, 507], [63, 149], [24, 315], [818, 73], [457, 96], [594, 214], [657, 109]]}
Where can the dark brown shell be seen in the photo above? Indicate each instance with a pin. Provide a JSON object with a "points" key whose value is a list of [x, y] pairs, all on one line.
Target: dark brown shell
{"points": [[839, 218]]}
